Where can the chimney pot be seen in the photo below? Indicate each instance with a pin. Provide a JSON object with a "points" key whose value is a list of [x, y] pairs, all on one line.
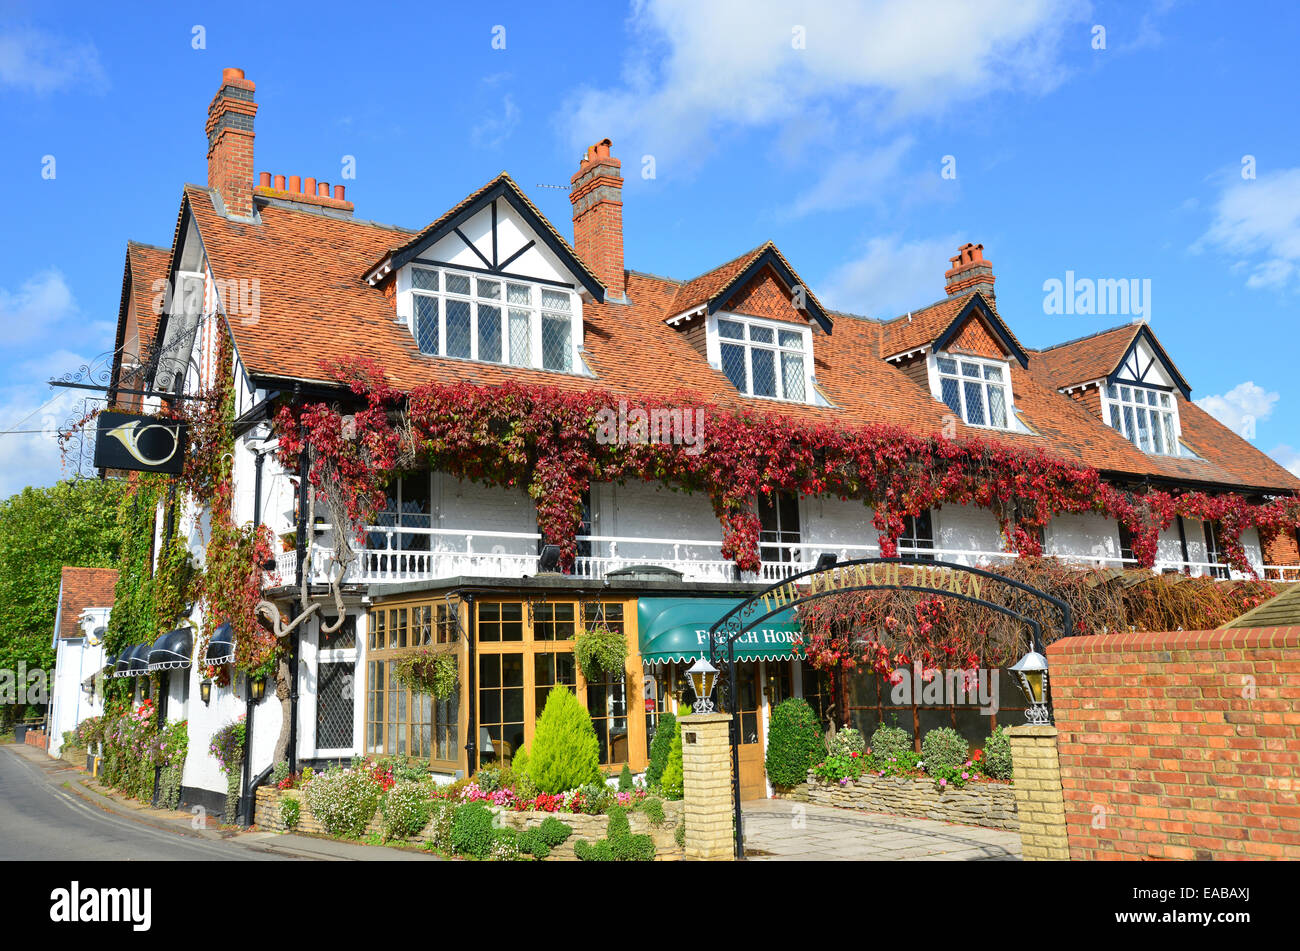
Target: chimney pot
{"points": [[264, 179], [970, 272], [279, 183], [323, 190], [231, 73], [295, 183], [338, 193], [309, 186]]}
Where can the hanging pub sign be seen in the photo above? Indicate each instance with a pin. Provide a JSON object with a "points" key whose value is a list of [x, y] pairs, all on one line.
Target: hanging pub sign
{"points": [[140, 443]]}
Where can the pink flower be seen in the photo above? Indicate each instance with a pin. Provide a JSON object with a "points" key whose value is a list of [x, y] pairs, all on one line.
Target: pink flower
{"points": [[943, 782], [965, 775]]}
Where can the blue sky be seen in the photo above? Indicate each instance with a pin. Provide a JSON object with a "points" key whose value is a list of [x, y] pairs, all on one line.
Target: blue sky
{"points": [[1171, 155]]}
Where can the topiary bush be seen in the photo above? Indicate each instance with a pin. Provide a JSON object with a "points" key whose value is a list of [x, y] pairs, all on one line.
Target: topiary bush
{"points": [[344, 801], [660, 747], [472, 832], [794, 742], [889, 741], [565, 753], [673, 781], [943, 747], [625, 781], [997, 754], [846, 742], [406, 809]]}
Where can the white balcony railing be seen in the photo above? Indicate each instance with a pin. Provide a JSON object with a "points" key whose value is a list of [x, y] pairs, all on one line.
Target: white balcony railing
{"points": [[419, 554]]}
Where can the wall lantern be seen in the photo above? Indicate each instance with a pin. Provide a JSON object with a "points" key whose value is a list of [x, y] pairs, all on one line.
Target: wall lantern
{"points": [[205, 690], [703, 676], [1031, 676], [257, 688], [549, 561]]}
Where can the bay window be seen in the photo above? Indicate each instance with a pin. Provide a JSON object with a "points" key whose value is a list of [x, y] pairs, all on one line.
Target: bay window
{"points": [[492, 319], [1148, 418]]}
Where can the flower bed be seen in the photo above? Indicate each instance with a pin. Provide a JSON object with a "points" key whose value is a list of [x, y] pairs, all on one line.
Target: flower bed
{"points": [[587, 828], [985, 803]]}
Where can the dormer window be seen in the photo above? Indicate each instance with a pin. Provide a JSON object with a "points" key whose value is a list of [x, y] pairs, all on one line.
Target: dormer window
{"points": [[491, 319], [1147, 417], [764, 358], [977, 391]]}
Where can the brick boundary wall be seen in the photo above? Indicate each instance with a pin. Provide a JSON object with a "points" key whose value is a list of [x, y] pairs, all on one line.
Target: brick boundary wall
{"points": [[1180, 745]]}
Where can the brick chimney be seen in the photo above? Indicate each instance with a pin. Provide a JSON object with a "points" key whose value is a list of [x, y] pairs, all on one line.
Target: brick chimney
{"points": [[597, 197], [230, 143], [970, 271]]}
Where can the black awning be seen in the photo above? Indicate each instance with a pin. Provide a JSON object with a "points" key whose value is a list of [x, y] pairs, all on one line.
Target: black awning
{"points": [[110, 664], [133, 662], [221, 648], [173, 651]]}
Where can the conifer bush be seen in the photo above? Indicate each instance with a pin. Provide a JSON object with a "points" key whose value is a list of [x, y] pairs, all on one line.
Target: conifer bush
{"points": [[794, 743], [565, 753], [660, 747], [673, 779], [625, 781]]}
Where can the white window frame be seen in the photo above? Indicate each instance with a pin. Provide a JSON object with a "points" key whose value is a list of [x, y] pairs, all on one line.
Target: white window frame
{"points": [[1117, 403], [936, 388], [714, 341], [347, 655], [407, 294]]}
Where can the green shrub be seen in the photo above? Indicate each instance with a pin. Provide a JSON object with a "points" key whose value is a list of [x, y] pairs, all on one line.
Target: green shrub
{"points": [[554, 832], [565, 753], [654, 810], [441, 814], [532, 842], [406, 809], [889, 741], [632, 848], [593, 851], [596, 797], [471, 830], [673, 780], [660, 747], [944, 747], [290, 812], [846, 742], [625, 781], [618, 824], [997, 754], [679, 836], [344, 801], [794, 743]]}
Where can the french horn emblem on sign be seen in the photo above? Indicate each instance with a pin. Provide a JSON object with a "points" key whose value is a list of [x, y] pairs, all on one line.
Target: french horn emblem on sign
{"points": [[142, 443]]}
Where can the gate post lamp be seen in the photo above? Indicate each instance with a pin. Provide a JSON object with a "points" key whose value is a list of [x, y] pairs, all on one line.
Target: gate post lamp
{"points": [[1031, 676], [703, 675]]}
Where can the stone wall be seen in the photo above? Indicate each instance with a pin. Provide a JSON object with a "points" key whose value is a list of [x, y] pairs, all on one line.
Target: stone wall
{"points": [[585, 827], [987, 804]]}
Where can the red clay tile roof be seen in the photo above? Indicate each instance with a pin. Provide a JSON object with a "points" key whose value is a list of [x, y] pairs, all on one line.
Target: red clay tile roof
{"points": [[82, 588], [147, 264], [1089, 358], [923, 327], [316, 305]]}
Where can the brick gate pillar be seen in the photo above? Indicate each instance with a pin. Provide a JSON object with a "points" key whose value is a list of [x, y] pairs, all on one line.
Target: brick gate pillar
{"points": [[706, 775], [1040, 802]]}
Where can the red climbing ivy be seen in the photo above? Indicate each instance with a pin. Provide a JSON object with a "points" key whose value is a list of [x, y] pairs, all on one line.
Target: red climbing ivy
{"points": [[545, 439]]}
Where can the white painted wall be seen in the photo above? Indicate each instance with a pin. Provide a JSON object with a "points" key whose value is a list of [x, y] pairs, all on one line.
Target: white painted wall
{"points": [[470, 506], [648, 510], [1083, 534], [966, 527], [830, 521]]}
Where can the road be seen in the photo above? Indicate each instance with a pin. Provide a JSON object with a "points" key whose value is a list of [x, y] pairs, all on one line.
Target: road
{"points": [[42, 819]]}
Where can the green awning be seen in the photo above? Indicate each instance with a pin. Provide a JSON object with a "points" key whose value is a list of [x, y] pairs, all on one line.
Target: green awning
{"points": [[676, 629]]}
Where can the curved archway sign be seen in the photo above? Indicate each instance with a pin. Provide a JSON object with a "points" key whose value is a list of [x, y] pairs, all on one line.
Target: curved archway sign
{"points": [[943, 578]]}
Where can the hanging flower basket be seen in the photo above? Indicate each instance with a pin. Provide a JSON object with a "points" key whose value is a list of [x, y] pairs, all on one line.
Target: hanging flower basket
{"points": [[599, 649], [433, 672]]}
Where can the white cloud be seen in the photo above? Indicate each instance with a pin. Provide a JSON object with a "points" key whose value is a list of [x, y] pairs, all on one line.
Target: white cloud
{"points": [[31, 415], [858, 178], [41, 62], [34, 309], [891, 276], [1258, 222], [1241, 407], [701, 67], [494, 129], [1289, 457]]}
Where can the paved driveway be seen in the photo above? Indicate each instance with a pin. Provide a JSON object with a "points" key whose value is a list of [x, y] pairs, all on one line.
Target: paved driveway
{"points": [[780, 829]]}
